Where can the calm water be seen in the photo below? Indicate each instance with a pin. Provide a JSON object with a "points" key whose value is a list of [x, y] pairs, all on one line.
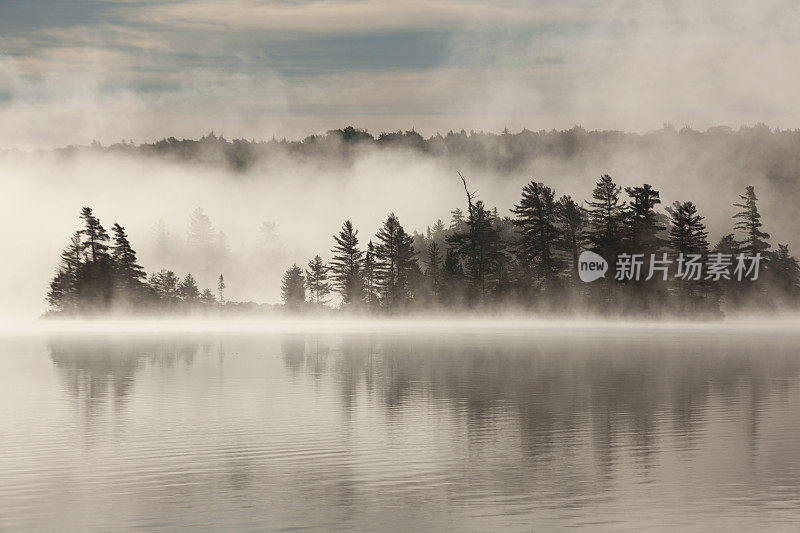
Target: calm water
{"points": [[435, 432]]}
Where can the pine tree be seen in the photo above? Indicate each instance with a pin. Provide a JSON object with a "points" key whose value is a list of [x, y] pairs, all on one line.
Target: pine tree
{"points": [[317, 281], [395, 263], [643, 229], [96, 236], [129, 275], [370, 276], [749, 221], [606, 218], [293, 288], [457, 219], [687, 233], [433, 269], [538, 234], [572, 219], [95, 278], [165, 284], [346, 264], [187, 290], [479, 246], [63, 294], [72, 256]]}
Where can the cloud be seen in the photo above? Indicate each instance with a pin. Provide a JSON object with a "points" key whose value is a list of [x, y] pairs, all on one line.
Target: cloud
{"points": [[346, 16], [152, 69]]}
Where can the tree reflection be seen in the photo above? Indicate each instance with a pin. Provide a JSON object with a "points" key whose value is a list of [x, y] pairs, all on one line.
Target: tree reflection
{"points": [[101, 369], [621, 396]]}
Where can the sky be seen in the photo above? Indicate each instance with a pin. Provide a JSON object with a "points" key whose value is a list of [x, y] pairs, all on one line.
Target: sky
{"points": [[72, 71]]}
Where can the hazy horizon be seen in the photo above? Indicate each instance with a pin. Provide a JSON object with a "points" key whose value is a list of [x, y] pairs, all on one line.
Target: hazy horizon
{"points": [[74, 71]]}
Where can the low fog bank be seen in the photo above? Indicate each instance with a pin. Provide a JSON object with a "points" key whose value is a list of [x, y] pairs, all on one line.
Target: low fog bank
{"points": [[500, 324], [282, 201]]}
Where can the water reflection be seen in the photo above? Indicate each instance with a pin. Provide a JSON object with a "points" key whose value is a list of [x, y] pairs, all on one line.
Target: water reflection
{"points": [[543, 402], [436, 432]]}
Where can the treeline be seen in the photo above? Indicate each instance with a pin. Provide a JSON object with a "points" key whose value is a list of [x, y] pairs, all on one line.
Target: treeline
{"points": [[529, 260], [99, 273], [479, 260], [755, 150]]}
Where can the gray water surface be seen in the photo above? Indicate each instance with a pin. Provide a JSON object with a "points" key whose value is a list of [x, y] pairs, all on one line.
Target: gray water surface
{"points": [[437, 432]]}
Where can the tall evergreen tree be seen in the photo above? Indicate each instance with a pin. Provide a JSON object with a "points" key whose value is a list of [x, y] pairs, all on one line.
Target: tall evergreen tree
{"points": [[479, 246], [346, 264], [606, 218], [293, 288], [687, 232], [317, 281], [96, 236], [572, 220], [433, 270], [538, 234], [749, 222], [395, 263], [643, 227], [129, 275], [370, 276]]}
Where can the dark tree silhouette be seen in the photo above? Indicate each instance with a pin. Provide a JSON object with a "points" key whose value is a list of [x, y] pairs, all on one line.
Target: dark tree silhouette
{"points": [[346, 264], [370, 276], [129, 275], [433, 270], [687, 233], [538, 234], [572, 220], [479, 246], [643, 229], [749, 222], [395, 263], [606, 217], [96, 236]]}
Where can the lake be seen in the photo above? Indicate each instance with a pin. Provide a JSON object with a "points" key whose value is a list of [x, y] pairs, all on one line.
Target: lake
{"points": [[447, 429]]}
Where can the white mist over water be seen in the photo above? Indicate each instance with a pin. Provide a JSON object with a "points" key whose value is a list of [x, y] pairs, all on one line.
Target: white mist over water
{"points": [[307, 202]]}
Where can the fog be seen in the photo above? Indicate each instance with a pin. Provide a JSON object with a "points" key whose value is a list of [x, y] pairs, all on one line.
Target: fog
{"points": [[305, 201], [631, 66]]}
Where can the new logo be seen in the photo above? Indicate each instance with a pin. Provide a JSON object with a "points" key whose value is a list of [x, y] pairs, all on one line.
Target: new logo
{"points": [[591, 266]]}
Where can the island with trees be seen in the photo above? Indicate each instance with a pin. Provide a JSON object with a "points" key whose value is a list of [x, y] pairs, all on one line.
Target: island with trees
{"points": [[480, 261]]}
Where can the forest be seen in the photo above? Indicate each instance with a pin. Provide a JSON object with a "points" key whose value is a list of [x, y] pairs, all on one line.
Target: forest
{"points": [[752, 149], [479, 261]]}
